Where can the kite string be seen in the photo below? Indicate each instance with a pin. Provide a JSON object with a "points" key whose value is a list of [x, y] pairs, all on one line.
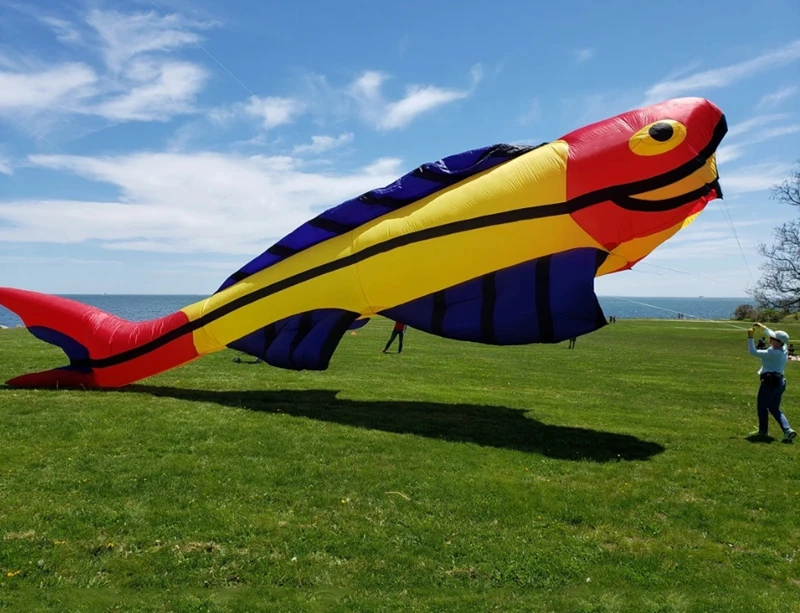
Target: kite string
{"points": [[716, 321], [726, 213], [683, 272]]}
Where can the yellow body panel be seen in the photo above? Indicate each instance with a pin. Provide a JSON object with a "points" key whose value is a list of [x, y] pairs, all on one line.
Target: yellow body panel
{"points": [[636, 249]]}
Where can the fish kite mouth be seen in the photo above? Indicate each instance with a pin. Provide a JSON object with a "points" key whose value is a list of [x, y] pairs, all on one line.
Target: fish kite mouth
{"points": [[661, 199]]}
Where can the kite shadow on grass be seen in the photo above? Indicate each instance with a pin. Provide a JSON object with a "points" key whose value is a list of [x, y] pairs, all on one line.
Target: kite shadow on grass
{"points": [[489, 426]]}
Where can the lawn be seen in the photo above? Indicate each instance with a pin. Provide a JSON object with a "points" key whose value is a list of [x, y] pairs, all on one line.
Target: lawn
{"points": [[452, 477]]}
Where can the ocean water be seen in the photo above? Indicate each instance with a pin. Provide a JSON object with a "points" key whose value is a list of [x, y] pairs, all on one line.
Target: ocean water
{"points": [[142, 307]]}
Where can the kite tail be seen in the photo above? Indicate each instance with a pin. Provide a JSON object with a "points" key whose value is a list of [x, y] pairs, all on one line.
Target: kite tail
{"points": [[103, 350]]}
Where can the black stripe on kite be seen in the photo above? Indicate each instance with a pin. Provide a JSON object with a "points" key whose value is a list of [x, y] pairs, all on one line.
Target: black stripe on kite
{"points": [[439, 310], [281, 251], [488, 301], [544, 311], [505, 150], [303, 328], [239, 275], [270, 334], [429, 174], [667, 204], [330, 225], [335, 336]]}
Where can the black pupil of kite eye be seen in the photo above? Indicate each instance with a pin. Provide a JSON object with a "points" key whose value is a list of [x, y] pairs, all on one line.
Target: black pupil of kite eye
{"points": [[661, 131]]}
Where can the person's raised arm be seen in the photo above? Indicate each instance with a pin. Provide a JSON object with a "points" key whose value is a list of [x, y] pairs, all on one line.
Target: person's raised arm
{"points": [[751, 347]]}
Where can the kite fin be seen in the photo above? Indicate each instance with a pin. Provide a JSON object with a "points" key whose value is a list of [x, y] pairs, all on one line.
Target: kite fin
{"points": [[546, 300], [305, 341], [359, 323], [101, 347]]}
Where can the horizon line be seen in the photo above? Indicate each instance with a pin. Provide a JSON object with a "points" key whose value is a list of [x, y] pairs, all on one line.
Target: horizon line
{"points": [[694, 297]]}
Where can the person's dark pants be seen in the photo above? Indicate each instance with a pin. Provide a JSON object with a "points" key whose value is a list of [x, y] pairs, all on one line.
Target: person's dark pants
{"points": [[769, 401], [395, 334]]}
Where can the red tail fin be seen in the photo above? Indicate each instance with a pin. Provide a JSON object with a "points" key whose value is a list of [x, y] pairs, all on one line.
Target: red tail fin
{"points": [[104, 350]]}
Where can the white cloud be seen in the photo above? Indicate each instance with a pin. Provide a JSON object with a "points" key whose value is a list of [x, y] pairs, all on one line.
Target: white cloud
{"points": [[719, 247], [5, 166], [140, 82], [125, 36], [755, 122], [169, 93], [729, 153], [226, 265], [777, 97], [752, 132], [583, 55], [755, 178], [273, 111], [682, 70], [722, 77], [222, 115], [709, 238], [368, 86], [27, 260], [418, 99], [204, 202], [322, 99], [62, 87], [776, 132], [320, 144], [64, 30], [706, 227]]}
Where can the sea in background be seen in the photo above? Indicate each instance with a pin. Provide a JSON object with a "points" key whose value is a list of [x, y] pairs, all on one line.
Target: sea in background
{"points": [[143, 307]]}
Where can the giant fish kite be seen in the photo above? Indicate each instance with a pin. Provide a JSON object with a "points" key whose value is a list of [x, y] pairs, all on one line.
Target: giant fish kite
{"points": [[499, 245]]}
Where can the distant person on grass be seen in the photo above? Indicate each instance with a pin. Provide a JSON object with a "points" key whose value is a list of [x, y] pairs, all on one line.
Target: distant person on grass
{"points": [[773, 382], [399, 330]]}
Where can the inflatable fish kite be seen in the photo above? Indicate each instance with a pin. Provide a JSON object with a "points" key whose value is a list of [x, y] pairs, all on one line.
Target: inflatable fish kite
{"points": [[499, 245]]}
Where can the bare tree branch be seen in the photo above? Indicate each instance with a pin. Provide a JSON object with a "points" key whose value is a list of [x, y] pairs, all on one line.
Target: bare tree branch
{"points": [[788, 192], [779, 286]]}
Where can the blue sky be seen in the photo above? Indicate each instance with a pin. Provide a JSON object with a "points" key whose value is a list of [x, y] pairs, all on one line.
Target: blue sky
{"points": [[156, 147]]}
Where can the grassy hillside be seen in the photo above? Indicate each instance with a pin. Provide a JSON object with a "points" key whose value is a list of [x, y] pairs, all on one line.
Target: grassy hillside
{"points": [[453, 477]]}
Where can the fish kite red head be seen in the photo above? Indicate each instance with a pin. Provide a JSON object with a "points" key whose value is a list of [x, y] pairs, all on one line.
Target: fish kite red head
{"points": [[652, 169]]}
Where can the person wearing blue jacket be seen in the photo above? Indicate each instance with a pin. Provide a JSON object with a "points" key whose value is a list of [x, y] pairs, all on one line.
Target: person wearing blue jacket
{"points": [[773, 382]]}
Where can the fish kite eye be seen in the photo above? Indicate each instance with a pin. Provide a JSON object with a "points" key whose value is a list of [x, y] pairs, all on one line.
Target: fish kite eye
{"points": [[658, 137]]}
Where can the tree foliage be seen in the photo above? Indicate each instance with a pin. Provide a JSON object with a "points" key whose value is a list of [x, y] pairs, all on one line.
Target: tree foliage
{"points": [[779, 286], [745, 312]]}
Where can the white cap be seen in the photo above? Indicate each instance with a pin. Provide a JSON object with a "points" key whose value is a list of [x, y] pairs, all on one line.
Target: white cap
{"points": [[781, 336]]}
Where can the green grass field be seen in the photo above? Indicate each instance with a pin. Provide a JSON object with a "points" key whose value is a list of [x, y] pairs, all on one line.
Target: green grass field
{"points": [[453, 477]]}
